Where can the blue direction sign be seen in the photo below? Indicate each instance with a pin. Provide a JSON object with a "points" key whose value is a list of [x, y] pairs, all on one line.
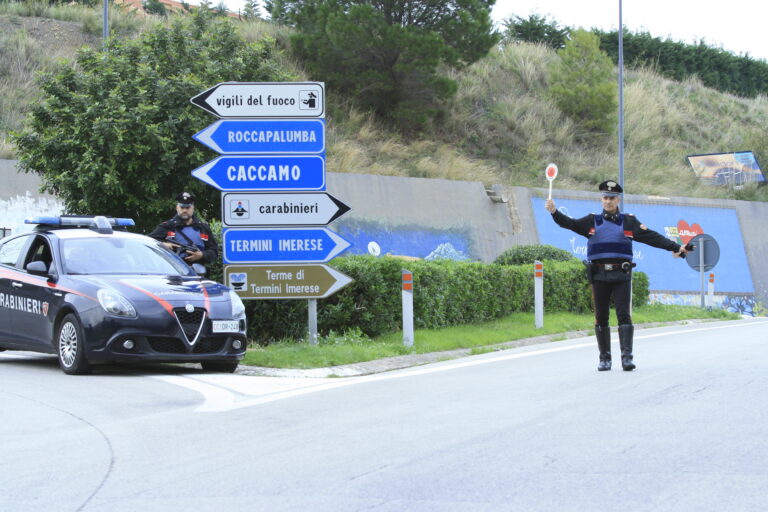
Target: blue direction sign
{"points": [[273, 173], [264, 136], [310, 245]]}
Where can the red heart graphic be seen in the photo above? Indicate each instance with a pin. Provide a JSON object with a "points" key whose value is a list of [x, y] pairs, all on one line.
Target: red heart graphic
{"points": [[686, 232]]}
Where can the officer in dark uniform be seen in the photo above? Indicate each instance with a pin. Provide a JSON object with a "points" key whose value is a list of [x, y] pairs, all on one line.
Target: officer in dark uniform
{"points": [[609, 265], [185, 229]]}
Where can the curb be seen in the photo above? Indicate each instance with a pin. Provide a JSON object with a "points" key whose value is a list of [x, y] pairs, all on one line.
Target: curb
{"points": [[409, 361]]}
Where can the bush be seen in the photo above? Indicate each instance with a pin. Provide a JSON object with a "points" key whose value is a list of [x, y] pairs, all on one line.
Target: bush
{"points": [[446, 293], [527, 254]]}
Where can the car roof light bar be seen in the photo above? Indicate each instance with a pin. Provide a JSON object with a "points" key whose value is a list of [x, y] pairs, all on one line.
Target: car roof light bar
{"points": [[99, 223]]}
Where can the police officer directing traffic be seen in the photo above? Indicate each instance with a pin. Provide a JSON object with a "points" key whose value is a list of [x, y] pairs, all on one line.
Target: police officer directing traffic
{"points": [[186, 230], [609, 265]]}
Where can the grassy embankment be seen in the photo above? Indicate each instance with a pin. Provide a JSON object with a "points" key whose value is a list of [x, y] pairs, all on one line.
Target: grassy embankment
{"points": [[500, 128], [336, 349]]}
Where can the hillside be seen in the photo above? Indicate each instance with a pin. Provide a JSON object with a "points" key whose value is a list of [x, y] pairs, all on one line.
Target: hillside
{"points": [[500, 127]]}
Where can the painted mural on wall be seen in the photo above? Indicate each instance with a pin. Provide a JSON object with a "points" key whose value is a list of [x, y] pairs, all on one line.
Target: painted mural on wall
{"points": [[13, 211], [377, 238], [679, 223]]}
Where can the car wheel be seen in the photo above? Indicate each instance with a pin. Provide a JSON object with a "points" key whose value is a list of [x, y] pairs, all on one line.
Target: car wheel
{"points": [[70, 346], [217, 366]]}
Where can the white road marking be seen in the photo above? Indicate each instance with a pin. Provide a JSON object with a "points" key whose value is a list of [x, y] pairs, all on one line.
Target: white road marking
{"points": [[223, 393]]}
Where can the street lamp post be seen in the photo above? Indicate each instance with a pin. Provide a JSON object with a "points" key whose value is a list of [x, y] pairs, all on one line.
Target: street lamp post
{"points": [[105, 30], [621, 105]]}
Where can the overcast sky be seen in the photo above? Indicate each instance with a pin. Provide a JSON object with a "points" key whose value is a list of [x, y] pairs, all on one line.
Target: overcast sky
{"points": [[738, 26]]}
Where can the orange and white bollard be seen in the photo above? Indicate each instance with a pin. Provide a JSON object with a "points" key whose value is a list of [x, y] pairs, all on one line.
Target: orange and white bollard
{"points": [[407, 279], [538, 293]]}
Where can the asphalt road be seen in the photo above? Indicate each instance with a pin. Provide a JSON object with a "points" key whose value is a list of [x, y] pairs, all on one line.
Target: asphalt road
{"points": [[533, 428]]}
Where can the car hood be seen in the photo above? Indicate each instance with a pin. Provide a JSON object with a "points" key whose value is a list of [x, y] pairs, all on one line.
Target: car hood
{"points": [[171, 289]]}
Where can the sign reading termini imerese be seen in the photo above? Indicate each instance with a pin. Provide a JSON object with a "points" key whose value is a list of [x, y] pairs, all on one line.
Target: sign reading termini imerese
{"points": [[284, 281]]}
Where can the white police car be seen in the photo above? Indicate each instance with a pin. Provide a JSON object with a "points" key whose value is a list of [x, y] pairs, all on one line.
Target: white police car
{"points": [[86, 289]]}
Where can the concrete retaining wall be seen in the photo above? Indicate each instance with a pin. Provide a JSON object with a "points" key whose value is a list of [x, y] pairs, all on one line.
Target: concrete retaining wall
{"points": [[427, 218]]}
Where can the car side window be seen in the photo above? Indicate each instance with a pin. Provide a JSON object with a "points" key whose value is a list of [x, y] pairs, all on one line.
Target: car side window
{"points": [[39, 251], [10, 250]]}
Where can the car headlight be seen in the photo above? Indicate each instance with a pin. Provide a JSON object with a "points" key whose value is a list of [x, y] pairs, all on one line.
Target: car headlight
{"points": [[115, 304], [238, 308]]}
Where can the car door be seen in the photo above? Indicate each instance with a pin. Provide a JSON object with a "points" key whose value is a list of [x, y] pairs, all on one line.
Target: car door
{"points": [[39, 297], [10, 253]]}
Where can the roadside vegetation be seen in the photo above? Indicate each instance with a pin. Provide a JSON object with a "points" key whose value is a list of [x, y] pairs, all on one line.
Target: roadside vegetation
{"points": [[354, 347], [501, 126]]}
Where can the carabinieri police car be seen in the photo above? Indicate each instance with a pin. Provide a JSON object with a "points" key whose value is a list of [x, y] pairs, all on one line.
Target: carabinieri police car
{"points": [[90, 291]]}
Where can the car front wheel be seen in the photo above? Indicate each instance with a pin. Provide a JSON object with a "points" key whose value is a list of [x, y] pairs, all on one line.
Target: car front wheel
{"points": [[70, 345]]}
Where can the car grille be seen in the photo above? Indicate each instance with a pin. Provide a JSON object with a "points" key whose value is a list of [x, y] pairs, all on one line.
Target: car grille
{"points": [[167, 345], [190, 322], [176, 346]]}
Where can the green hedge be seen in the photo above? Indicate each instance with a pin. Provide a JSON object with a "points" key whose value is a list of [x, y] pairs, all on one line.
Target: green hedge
{"points": [[445, 293], [527, 254]]}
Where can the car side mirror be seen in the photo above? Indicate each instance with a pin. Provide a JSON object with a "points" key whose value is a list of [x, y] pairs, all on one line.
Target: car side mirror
{"points": [[199, 269], [37, 268]]}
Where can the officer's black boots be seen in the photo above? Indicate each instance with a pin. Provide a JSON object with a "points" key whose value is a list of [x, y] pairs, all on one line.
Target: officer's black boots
{"points": [[626, 332], [603, 334]]}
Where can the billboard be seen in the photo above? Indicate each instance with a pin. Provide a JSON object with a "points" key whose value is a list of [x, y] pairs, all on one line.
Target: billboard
{"points": [[727, 168], [679, 223]]}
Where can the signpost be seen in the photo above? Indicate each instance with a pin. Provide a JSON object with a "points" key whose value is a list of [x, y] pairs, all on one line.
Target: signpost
{"points": [[269, 173], [282, 245], [284, 281], [708, 255], [272, 136], [299, 209], [264, 99], [264, 136]]}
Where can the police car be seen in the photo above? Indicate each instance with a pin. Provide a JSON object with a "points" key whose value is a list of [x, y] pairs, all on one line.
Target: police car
{"points": [[88, 290]]}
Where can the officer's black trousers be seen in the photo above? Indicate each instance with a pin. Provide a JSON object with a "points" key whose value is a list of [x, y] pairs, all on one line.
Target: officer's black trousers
{"points": [[601, 296]]}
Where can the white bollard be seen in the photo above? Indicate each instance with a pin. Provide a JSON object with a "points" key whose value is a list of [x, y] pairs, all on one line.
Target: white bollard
{"points": [[407, 278], [711, 291], [538, 293]]}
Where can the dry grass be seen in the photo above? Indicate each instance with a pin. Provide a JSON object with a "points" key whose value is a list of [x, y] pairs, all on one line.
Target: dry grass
{"points": [[501, 127]]}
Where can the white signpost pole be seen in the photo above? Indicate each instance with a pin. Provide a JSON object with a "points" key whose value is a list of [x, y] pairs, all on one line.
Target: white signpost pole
{"points": [[312, 323]]}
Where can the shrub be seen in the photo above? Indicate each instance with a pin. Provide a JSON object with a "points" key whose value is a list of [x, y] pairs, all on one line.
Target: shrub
{"points": [[527, 254], [446, 293]]}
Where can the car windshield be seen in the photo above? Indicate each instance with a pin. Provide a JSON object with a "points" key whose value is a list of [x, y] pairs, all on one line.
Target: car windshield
{"points": [[116, 255]]}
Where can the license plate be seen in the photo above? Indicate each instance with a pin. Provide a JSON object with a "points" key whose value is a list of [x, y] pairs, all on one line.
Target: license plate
{"points": [[226, 325]]}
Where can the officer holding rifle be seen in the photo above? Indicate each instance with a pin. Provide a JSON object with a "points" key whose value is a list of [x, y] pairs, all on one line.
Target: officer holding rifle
{"points": [[609, 265], [186, 234]]}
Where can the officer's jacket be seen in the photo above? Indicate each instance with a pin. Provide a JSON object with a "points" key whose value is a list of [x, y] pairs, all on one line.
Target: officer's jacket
{"points": [[633, 229], [172, 227]]}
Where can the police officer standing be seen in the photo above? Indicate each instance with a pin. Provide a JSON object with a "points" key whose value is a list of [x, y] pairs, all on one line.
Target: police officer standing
{"points": [[609, 265], [185, 229]]}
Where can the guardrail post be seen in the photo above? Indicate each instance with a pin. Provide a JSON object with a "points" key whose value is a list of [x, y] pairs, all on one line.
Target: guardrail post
{"points": [[538, 293], [407, 279]]}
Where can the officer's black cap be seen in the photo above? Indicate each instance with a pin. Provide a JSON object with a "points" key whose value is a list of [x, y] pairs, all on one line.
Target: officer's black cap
{"points": [[610, 188], [185, 199]]}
